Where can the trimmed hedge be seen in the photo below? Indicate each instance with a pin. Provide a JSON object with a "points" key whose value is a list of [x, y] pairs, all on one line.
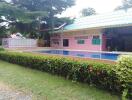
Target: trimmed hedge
{"points": [[99, 74], [124, 73]]}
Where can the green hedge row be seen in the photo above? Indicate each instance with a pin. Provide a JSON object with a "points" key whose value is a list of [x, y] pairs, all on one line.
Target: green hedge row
{"points": [[98, 74]]}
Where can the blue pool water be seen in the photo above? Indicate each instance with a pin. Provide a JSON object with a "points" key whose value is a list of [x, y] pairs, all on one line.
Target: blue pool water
{"points": [[83, 54]]}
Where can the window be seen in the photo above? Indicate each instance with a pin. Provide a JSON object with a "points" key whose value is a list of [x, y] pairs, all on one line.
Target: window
{"points": [[65, 42], [80, 41], [96, 40], [96, 37], [55, 41]]}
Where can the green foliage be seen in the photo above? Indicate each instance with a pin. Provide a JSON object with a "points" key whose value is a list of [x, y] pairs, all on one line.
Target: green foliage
{"points": [[3, 31], [13, 13], [126, 4], [42, 85], [124, 72], [56, 6], [51, 7], [88, 12], [27, 16], [19, 19], [98, 74], [2, 49], [124, 94], [116, 78]]}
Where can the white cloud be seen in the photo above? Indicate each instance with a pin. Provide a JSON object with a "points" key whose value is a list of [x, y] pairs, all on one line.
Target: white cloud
{"points": [[8, 0], [101, 6]]}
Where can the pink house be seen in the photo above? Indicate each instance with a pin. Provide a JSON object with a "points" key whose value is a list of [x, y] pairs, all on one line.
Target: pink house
{"points": [[110, 31], [80, 40]]}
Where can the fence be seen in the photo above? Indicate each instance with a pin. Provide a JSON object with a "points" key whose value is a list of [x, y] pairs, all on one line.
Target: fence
{"points": [[15, 43]]}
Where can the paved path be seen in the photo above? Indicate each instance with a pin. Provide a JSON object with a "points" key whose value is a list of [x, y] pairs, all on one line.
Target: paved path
{"points": [[8, 94]]}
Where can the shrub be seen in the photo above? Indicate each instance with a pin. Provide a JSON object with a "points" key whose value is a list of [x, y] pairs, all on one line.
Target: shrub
{"points": [[2, 49], [124, 73], [40, 43], [106, 76]]}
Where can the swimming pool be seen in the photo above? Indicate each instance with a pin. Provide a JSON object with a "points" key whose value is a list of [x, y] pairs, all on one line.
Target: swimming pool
{"points": [[83, 54]]}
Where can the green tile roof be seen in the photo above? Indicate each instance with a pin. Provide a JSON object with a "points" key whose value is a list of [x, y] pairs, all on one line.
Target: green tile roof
{"points": [[107, 20]]}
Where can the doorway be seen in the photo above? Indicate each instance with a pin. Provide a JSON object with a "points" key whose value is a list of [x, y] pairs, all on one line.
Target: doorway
{"points": [[65, 42]]}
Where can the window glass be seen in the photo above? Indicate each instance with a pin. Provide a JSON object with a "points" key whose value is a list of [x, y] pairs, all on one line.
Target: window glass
{"points": [[80, 41], [96, 40]]}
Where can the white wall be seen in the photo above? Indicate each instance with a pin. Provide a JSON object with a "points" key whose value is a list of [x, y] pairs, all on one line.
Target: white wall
{"points": [[15, 43]]}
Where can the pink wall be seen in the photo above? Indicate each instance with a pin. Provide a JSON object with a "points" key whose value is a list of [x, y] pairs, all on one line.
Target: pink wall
{"points": [[104, 43], [58, 42]]}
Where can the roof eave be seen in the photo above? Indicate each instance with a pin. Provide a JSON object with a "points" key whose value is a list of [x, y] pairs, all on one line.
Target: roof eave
{"points": [[92, 28]]}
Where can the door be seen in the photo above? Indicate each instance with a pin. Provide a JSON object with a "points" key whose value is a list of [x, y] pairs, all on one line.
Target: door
{"points": [[65, 42]]}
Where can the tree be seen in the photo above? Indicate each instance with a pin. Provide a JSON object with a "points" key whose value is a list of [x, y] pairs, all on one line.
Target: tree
{"points": [[17, 17], [27, 16], [88, 12], [52, 7], [126, 4], [2, 1], [57, 6], [13, 13]]}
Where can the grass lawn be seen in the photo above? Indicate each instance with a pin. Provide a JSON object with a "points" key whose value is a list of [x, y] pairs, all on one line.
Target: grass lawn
{"points": [[44, 86]]}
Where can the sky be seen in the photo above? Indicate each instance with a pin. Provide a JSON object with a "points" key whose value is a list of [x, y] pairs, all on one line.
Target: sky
{"points": [[101, 6]]}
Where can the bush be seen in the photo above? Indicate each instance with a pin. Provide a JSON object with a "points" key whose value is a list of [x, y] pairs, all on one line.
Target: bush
{"points": [[40, 43], [106, 76], [2, 49], [124, 73]]}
